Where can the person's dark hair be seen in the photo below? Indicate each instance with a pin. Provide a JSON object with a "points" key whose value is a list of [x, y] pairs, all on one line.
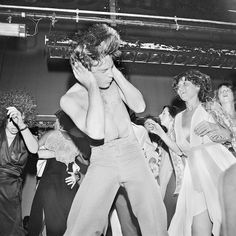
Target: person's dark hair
{"points": [[154, 137], [197, 78], [228, 85], [156, 119], [173, 110], [64, 120], [97, 42], [22, 101]]}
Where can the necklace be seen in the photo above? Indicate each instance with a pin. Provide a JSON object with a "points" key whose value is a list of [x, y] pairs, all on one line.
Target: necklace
{"points": [[104, 88]]}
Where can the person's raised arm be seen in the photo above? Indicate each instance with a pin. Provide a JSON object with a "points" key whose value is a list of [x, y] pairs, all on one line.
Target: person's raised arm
{"points": [[29, 139], [154, 127], [130, 95], [88, 115]]}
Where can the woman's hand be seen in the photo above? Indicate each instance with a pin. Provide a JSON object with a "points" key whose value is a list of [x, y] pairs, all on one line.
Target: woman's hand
{"points": [[154, 127], [16, 116]]}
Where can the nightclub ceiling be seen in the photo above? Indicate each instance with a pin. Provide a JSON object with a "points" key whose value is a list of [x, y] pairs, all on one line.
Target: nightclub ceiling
{"points": [[202, 9], [174, 32]]}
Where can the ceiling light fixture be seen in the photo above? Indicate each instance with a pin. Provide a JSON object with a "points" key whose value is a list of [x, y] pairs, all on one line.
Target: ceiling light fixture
{"points": [[12, 30]]}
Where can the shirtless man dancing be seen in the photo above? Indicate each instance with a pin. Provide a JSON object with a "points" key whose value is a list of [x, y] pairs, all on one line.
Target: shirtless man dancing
{"points": [[96, 105]]}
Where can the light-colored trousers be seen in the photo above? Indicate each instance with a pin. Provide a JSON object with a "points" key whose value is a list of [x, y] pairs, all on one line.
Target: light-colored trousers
{"points": [[119, 162]]}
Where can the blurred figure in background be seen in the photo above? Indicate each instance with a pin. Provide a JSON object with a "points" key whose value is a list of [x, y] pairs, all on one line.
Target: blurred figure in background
{"points": [[226, 116], [161, 165], [167, 120], [60, 179]]}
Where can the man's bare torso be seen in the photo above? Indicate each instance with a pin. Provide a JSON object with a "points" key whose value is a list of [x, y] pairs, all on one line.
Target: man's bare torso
{"points": [[117, 120]]}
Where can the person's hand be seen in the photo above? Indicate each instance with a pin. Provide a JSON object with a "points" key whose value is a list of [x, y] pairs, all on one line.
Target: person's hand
{"points": [[82, 74], [16, 117], [220, 136], [72, 179], [153, 127], [205, 127]]}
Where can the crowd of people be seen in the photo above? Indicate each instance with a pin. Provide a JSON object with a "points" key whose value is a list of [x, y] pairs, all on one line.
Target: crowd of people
{"points": [[129, 163]]}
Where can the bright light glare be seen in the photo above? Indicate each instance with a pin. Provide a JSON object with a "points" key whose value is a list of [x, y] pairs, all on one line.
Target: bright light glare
{"points": [[12, 30]]}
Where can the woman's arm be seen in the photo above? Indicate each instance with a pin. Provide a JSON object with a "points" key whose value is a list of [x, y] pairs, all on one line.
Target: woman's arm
{"points": [[155, 128], [30, 141], [46, 154], [214, 131]]}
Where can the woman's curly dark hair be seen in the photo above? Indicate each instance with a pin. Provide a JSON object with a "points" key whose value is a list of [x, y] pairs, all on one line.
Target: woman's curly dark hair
{"points": [[173, 110], [98, 41], [197, 78], [22, 101]]}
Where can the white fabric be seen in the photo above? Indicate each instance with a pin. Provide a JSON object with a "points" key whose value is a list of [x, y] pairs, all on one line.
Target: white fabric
{"points": [[115, 224], [206, 161], [159, 164]]}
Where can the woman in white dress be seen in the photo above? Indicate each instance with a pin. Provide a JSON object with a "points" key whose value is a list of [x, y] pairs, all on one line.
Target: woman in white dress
{"points": [[198, 211]]}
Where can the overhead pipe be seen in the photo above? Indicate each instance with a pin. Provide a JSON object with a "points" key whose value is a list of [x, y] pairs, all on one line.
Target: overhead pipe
{"points": [[165, 28], [101, 13]]}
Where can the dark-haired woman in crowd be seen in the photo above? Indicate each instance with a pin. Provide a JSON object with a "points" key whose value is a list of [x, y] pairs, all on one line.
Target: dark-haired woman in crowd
{"points": [[17, 112], [198, 209]]}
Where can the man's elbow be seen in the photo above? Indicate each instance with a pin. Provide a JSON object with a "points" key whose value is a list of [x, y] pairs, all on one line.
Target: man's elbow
{"points": [[140, 107], [34, 149], [63, 102]]}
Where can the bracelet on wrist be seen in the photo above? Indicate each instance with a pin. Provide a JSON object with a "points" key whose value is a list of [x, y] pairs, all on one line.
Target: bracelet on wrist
{"points": [[22, 129], [78, 176]]}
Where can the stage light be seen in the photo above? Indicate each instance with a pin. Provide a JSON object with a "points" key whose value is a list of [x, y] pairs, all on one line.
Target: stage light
{"points": [[229, 63], [142, 56], [167, 58], [217, 62], [60, 52], [155, 58], [181, 59], [128, 56], [206, 60], [12, 30], [193, 60]]}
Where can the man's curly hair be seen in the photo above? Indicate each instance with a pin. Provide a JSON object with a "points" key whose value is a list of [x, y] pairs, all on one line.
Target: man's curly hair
{"points": [[22, 101], [97, 42], [197, 78]]}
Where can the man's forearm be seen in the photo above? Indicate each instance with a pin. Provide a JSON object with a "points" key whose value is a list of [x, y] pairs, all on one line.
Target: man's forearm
{"points": [[46, 154], [95, 124], [131, 95]]}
